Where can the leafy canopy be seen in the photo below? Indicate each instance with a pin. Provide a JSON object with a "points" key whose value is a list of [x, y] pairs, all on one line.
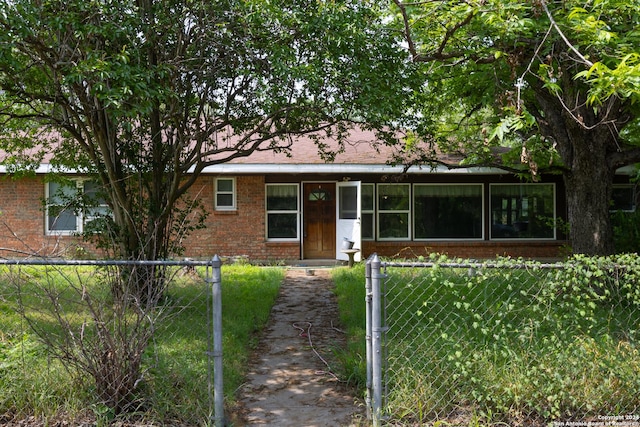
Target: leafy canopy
{"points": [[145, 94], [492, 63]]}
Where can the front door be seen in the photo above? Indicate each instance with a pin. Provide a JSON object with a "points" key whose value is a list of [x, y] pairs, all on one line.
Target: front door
{"points": [[319, 225]]}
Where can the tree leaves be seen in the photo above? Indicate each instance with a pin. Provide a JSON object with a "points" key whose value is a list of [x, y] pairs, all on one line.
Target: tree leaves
{"points": [[623, 81], [146, 94]]}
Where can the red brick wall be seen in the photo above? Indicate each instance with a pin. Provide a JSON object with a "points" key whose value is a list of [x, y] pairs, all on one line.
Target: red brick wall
{"points": [[22, 220], [240, 232], [226, 233]]}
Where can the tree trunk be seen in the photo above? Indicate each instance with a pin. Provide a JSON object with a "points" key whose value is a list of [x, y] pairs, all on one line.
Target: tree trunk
{"points": [[588, 195], [588, 182], [585, 146]]}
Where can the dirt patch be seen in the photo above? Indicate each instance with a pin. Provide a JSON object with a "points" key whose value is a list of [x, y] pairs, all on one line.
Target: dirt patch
{"points": [[290, 382]]}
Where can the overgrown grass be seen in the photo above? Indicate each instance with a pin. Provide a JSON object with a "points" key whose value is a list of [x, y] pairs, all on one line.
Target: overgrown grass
{"points": [[175, 385], [507, 345], [350, 291]]}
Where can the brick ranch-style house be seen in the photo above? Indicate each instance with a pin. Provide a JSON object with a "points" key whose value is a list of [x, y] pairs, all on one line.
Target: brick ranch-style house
{"points": [[272, 207]]}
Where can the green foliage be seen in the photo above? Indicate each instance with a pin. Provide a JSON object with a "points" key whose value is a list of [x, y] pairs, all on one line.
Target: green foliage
{"points": [[622, 82], [349, 288], [175, 364], [547, 80], [512, 341], [626, 231], [142, 96], [489, 57]]}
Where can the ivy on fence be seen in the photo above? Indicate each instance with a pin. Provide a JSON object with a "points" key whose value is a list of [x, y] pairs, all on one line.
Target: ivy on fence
{"points": [[511, 341]]}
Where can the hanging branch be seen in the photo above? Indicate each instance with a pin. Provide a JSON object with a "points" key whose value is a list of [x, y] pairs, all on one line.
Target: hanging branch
{"points": [[561, 34]]}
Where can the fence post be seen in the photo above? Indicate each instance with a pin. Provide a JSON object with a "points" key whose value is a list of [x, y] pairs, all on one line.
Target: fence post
{"points": [[376, 340], [367, 299], [216, 292]]}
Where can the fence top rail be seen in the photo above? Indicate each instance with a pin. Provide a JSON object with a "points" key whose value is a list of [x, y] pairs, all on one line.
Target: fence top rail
{"points": [[61, 261], [472, 264]]}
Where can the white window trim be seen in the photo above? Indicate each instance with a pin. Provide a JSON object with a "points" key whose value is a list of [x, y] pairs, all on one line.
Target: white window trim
{"points": [[371, 211], [81, 217], [447, 239], [267, 212], [79, 222], [407, 211], [233, 193]]}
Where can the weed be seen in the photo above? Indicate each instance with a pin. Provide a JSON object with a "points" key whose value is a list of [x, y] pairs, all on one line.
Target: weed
{"points": [[174, 365], [508, 343]]}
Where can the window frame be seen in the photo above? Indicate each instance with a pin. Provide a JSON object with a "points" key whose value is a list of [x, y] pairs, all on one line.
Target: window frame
{"points": [[81, 218], [552, 185], [75, 184], [282, 211], [101, 208], [217, 191], [481, 208], [406, 211], [370, 212]]}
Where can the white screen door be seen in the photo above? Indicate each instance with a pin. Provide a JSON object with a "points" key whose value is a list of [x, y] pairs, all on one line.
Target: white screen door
{"points": [[349, 212]]}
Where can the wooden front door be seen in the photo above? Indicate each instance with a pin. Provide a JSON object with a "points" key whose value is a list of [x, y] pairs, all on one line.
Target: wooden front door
{"points": [[319, 225]]}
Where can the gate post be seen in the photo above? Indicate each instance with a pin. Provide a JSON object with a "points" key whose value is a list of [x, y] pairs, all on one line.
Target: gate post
{"points": [[216, 293], [376, 340], [367, 299]]}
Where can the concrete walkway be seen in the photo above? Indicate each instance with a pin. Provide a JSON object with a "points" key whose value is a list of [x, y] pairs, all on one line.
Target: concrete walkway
{"points": [[290, 382]]}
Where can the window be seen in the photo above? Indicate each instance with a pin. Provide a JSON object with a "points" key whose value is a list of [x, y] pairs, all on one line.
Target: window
{"points": [[522, 211], [447, 211], [62, 218], [225, 194], [74, 207], [623, 198], [96, 209], [393, 211], [348, 206], [282, 211], [368, 204]]}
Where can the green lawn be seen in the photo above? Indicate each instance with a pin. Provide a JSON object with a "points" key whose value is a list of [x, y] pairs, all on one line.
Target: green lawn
{"points": [[175, 363]]}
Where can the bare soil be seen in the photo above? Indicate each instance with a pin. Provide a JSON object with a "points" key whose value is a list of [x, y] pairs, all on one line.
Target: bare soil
{"points": [[290, 380]]}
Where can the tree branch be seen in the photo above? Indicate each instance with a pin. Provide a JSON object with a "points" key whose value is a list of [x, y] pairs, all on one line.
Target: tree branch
{"points": [[561, 34], [622, 158], [439, 54]]}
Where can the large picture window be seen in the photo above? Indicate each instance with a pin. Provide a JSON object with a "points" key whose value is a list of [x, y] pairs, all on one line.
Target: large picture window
{"points": [[447, 211], [282, 211], [623, 198], [393, 211], [522, 211]]}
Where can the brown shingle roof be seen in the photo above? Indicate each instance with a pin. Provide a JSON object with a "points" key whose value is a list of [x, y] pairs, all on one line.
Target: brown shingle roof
{"points": [[361, 147]]}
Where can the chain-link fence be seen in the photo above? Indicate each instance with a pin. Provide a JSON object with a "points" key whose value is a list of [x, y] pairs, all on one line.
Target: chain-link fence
{"points": [[125, 336], [507, 342]]}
